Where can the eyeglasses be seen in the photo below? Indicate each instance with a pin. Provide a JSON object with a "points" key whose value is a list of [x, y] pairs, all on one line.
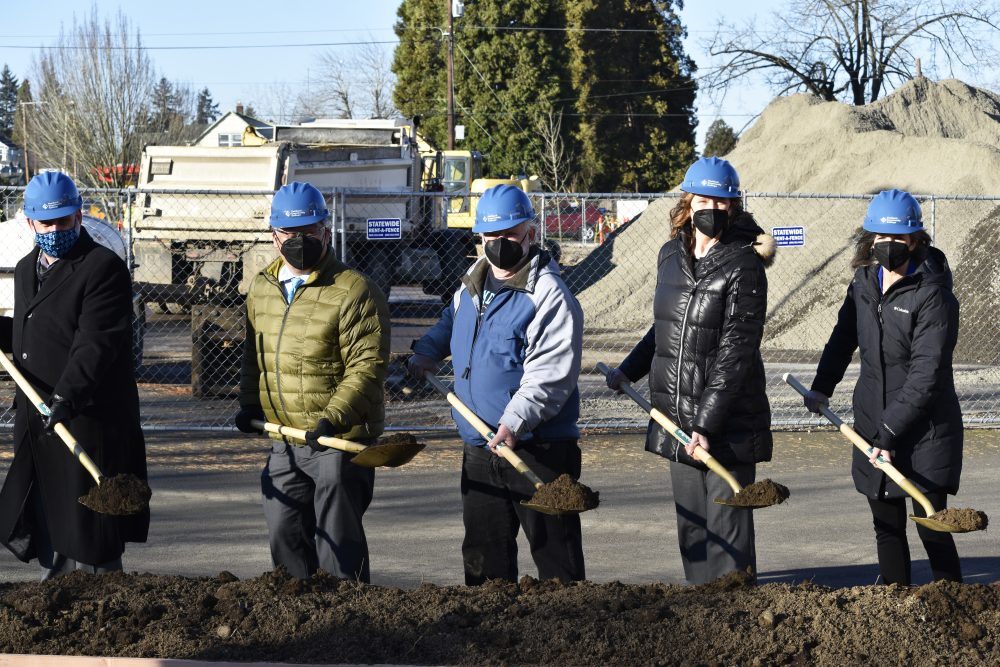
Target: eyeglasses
{"points": [[304, 230]]}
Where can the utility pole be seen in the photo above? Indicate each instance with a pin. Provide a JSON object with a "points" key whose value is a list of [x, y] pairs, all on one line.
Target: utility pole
{"points": [[451, 76], [24, 123]]}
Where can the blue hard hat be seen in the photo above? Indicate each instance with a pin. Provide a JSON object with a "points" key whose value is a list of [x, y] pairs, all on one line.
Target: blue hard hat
{"points": [[296, 205], [502, 207], [894, 212], [712, 177], [51, 195]]}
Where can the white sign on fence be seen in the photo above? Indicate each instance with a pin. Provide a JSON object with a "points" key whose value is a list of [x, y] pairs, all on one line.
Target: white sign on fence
{"points": [[384, 229], [789, 236]]}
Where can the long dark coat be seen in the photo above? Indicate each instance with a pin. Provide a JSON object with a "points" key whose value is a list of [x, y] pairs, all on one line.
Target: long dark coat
{"points": [[905, 398], [702, 353], [72, 336]]}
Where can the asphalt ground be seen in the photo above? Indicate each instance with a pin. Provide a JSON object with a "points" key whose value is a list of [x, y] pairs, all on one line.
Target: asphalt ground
{"points": [[207, 516]]}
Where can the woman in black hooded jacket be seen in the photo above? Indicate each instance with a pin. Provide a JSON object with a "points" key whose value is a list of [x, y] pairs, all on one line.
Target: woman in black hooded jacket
{"points": [[901, 313], [702, 355]]}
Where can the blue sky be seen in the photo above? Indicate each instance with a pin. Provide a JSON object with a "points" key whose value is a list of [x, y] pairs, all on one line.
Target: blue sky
{"points": [[251, 71]]}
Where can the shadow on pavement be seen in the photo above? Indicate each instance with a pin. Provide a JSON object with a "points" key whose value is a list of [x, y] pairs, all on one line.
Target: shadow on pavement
{"points": [[977, 570]]}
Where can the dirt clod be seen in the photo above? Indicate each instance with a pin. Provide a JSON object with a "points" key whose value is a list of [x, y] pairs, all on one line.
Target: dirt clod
{"points": [[965, 518], [760, 494], [566, 494], [119, 495]]}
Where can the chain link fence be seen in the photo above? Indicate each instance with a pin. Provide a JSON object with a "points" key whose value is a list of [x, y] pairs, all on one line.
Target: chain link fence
{"points": [[193, 254]]}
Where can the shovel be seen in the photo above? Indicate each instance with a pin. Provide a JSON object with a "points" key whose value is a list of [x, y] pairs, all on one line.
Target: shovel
{"points": [[120, 495], [502, 450], [391, 452], [700, 454], [884, 466]]}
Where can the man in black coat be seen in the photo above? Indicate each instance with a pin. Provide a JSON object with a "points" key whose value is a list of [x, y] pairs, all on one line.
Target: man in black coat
{"points": [[71, 338]]}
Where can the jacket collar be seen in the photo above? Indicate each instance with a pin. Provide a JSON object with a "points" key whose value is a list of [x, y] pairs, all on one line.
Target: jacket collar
{"points": [[58, 273], [323, 274], [524, 280], [933, 270]]}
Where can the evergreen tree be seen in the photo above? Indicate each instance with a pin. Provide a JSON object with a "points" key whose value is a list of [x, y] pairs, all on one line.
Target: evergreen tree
{"points": [[420, 65], [23, 97], [164, 106], [625, 98], [8, 102], [720, 139], [206, 110], [507, 80], [636, 94]]}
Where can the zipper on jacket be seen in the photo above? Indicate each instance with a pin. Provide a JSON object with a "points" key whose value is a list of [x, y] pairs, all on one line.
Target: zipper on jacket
{"points": [[277, 351], [680, 359]]}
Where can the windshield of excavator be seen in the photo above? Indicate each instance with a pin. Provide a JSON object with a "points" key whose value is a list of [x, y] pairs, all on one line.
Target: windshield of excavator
{"points": [[456, 174]]}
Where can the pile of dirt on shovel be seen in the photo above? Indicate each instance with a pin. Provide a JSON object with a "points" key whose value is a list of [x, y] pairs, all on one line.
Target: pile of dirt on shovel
{"points": [[567, 494], [277, 618], [763, 493]]}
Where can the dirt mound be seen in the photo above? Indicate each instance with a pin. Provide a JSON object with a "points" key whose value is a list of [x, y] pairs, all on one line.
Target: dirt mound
{"points": [[323, 619], [926, 137], [118, 495]]}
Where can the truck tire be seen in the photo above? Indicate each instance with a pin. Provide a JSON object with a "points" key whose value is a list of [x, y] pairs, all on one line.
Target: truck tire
{"points": [[377, 261], [455, 250]]}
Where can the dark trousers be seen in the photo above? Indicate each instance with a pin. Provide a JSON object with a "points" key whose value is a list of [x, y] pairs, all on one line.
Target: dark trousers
{"points": [[491, 494], [889, 518], [314, 503], [53, 563], [714, 539]]}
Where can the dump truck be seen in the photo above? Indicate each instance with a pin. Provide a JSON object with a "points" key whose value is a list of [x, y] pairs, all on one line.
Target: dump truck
{"points": [[200, 251]]}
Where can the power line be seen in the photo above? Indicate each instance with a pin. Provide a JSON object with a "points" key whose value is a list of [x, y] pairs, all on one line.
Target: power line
{"points": [[68, 47]]}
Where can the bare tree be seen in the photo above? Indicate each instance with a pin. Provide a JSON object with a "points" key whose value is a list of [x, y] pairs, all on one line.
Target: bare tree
{"points": [[556, 161], [93, 101], [358, 85], [854, 49]]}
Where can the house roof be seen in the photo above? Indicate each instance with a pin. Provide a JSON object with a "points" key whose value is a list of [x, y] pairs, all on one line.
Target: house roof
{"points": [[264, 128]]}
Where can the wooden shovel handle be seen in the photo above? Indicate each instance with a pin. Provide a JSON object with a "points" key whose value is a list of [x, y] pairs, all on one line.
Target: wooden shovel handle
{"points": [[862, 444], [483, 429], [60, 428], [299, 434], [700, 453]]}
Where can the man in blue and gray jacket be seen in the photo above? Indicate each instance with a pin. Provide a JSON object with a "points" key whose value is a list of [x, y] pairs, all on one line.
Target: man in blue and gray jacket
{"points": [[515, 335]]}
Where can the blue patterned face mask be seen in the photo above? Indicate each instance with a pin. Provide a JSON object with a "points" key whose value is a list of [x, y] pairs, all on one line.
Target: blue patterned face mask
{"points": [[57, 243]]}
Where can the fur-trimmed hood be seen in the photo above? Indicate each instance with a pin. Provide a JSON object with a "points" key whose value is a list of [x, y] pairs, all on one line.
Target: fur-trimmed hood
{"points": [[745, 229]]}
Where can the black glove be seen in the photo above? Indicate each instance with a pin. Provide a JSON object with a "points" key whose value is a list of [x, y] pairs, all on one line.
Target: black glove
{"points": [[884, 440], [60, 410], [246, 415], [324, 429]]}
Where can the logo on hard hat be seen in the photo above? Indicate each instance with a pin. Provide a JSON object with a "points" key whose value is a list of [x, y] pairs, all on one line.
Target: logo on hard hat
{"points": [[491, 217], [892, 220], [710, 183], [59, 203], [297, 213]]}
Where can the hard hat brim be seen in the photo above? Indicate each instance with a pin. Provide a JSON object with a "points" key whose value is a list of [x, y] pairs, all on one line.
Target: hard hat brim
{"points": [[281, 222], [498, 226], [892, 228], [53, 214]]}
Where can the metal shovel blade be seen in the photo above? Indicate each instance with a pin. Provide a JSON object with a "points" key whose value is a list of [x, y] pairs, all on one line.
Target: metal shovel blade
{"points": [[940, 526], [547, 509], [391, 455], [741, 506]]}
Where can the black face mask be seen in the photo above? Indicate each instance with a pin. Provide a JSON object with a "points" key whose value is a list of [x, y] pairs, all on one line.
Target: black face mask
{"points": [[891, 254], [504, 253], [710, 221], [303, 252]]}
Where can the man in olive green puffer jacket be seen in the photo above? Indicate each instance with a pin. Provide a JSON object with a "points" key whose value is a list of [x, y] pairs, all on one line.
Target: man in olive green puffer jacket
{"points": [[314, 358]]}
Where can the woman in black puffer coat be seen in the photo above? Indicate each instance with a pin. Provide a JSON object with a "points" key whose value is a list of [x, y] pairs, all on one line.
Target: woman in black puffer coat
{"points": [[902, 315], [702, 355]]}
